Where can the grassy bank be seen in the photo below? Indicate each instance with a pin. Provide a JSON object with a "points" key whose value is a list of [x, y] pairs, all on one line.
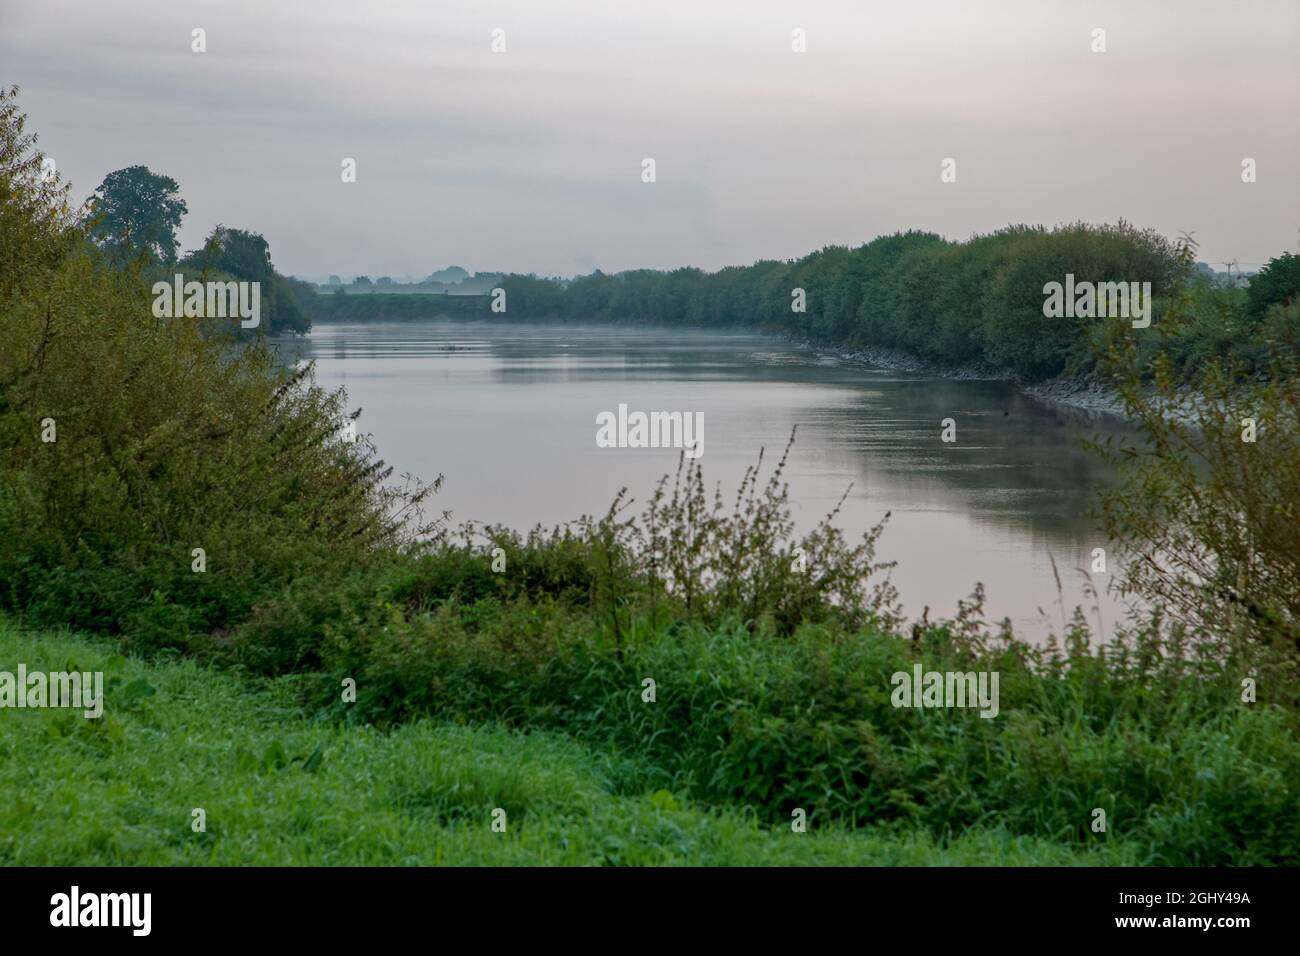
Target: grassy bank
{"points": [[285, 784], [121, 791]]}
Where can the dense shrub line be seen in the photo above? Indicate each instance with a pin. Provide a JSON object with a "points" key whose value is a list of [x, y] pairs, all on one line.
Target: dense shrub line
{"points": [[971, 302], [129, 443], [1167, 748]]}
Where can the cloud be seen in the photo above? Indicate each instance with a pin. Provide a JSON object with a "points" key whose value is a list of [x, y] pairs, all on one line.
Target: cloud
{"points": [[530, 160]]}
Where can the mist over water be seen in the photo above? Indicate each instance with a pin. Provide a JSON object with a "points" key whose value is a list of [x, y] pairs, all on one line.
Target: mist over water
{"points": [[507, 413]]}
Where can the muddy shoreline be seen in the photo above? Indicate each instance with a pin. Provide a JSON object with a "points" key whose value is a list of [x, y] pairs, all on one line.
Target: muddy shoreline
{"points": [[1081, 393]]}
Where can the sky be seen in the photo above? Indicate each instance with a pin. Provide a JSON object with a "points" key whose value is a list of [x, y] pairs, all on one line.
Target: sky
{"points": [[531, 159]]}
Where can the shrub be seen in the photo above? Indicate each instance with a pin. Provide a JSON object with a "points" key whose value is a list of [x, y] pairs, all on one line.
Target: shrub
{"points": [[165, 440], [1278, 283], [1207, 502]]}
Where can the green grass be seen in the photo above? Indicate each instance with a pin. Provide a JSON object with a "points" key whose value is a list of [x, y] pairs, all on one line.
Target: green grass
{"points": [[120, 791]]}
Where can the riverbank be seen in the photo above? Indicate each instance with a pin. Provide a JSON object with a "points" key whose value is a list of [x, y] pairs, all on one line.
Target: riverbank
{"points": [[1084, 394], [195, 765], [277, 787]]}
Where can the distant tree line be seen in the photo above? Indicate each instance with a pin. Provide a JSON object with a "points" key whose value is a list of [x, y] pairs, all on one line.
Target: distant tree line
{"points": [[978, 301], [386, 306], [951, 302]]}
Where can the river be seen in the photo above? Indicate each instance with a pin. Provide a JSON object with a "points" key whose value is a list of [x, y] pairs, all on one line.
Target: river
{"points": [[508, 414]]}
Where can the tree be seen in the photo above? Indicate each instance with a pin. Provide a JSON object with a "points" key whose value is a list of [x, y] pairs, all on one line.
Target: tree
{"points": [[135, 213], [1278, 281], [36, 228], [244, 254], [165, 436], [247, 255]]}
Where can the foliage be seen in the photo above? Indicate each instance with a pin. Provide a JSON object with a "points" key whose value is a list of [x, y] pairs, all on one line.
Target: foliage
{"points": [[35, 219], [1278, 283], [134, 213], [281, 789], [128, 441], [979, 301], [247, 256], [1150, 730], [341, 306], [1208, 501]]}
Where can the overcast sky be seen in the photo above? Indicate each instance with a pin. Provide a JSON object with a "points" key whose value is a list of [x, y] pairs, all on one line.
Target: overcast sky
{"points": [[530, 160]]}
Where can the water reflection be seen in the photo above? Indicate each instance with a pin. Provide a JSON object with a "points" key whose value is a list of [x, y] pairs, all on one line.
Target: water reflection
{"points": [[507, 413]]}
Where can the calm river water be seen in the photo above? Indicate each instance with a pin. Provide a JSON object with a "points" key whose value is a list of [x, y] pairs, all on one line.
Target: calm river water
{"points": [[508, 414]]}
